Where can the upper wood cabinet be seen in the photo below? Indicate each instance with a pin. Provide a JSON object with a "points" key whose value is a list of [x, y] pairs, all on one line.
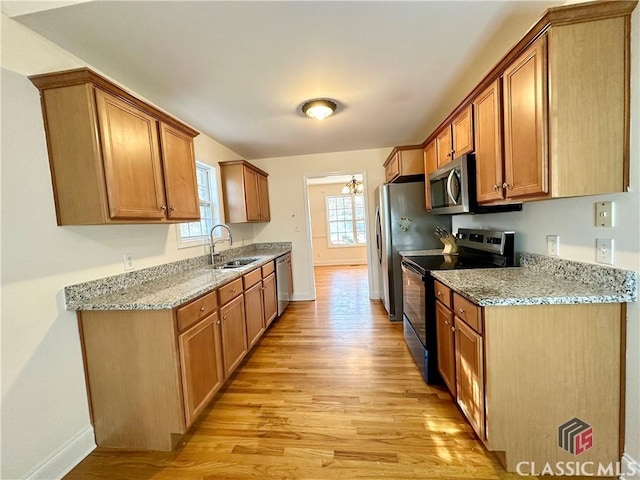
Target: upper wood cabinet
{"points": [[525, 141], [430, 165], [114, 158], [456, 138], [488, 142], [551, 119], [404, 164], [245, 191]]}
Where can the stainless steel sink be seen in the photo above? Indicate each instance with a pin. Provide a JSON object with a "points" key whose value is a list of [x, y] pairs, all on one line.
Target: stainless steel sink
{"points": [[237, 263]]}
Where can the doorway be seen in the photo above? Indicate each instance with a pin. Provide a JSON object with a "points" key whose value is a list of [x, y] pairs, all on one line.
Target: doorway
{"points": [[338, 223]]}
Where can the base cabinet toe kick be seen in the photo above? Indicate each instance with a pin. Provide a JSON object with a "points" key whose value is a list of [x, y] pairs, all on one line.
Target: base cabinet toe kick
{"points": [[539, 384], [151, 373]]}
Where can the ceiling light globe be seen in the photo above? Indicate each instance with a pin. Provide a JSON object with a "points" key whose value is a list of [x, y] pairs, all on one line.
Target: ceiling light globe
{"points": [[318, 109]]}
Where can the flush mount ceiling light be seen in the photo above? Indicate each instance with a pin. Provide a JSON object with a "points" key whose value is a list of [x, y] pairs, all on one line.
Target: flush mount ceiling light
{"points": [[319, 108], [354, 187]]}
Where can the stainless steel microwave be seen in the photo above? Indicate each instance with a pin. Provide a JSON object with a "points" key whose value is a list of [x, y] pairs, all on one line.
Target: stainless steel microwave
{"points": [[452, 187]]}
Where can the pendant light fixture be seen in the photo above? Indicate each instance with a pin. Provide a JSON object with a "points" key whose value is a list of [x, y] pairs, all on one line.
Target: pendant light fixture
{"points": [[319, 108], [353, 187]]}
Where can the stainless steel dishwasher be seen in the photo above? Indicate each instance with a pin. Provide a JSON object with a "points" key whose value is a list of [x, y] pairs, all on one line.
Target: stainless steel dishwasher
{"points": [[284, 281]]}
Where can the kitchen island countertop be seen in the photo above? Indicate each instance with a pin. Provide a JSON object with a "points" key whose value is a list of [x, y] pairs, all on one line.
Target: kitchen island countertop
{"points": [[541, 282]]}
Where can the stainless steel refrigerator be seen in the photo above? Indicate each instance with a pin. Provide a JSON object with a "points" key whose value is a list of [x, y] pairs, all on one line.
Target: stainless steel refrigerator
{"points": [[402, 223]]}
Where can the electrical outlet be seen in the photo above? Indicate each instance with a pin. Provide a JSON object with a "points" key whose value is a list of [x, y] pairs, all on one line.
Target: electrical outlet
{"points": [[128, 262], [553, 245], [604, 250]]}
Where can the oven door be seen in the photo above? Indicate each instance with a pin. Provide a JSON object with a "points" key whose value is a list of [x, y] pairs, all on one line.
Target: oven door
{"points": [[413, 300]]}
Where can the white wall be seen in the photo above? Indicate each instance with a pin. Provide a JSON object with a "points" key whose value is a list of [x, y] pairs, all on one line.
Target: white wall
{"points": [[45, 419], [289, 212], [322, 253], [573, 219]]}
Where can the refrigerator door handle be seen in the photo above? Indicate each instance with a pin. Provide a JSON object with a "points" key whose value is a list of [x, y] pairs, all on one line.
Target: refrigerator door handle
{"points": [[378, 236]]}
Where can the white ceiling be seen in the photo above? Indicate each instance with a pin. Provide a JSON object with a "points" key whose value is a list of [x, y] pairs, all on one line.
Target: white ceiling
{"points": [[239, 71]]}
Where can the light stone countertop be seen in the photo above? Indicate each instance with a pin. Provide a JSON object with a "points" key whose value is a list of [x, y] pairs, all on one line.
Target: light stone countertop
{"points": [[542, 281], [163, 287]]}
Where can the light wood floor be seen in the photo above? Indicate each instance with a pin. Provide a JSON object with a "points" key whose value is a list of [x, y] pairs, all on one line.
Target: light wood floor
{"points": [[330, 392]]}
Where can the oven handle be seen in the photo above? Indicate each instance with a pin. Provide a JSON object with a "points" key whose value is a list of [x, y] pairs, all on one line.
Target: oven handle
{"points": [[411, 270]]}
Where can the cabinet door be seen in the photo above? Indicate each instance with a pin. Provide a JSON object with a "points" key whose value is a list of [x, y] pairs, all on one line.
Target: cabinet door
{"points": [[270, 298], [392, 170], [263, 194], [251, 194], [462, 132], [254, 312], [487, 130], [178, 162], [469, 375], [234, 333], [444, 146], [430, 165], [525, 123], [201, 365], [446, 346], [131, 154]]}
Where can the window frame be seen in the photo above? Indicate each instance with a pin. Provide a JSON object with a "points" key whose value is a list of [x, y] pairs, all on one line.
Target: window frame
{"points": [[215, 205], [354, 221]]}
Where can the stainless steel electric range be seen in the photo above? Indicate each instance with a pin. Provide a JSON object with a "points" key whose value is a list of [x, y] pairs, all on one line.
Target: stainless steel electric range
{"points": [[477, 249]]}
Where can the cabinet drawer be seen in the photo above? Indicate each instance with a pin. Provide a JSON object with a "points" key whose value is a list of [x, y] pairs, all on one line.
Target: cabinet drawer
{"points": [[443, 293], [229, 291], [251, 278], [268, 269], [193, 311], [467, 311]]}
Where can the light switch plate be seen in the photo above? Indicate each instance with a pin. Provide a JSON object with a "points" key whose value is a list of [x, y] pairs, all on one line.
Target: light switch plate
{"points": [[553, 245], [128, 262], [604, 214], [604, 250]]}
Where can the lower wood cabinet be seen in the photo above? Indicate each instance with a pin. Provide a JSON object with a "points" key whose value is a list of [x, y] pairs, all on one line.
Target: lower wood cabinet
{"points": [[446, 346], [201, 365], [254, 311], [523, 371], [234, 333], [270, 298], [469, 375]]}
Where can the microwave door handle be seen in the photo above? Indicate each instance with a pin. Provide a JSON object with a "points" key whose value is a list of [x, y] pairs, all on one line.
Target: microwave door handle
{"points": [[449, 186]]}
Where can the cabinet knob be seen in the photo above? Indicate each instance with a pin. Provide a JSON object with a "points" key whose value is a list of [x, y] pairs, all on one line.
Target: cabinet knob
{"points": [[506, 185], [446, 322], [163, 207], [202, 308], [233, 290], [496, 187], [453, 329], [218, 322], [224, 317], [439, 294], [172, 208], [461, 311]]}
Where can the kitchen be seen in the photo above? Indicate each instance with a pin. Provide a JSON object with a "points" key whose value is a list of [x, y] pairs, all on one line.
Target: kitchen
{"points": [[39, 259]]}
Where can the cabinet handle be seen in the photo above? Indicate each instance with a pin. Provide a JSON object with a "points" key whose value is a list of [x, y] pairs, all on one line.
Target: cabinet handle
{"points": [[202, 309], [163, 207], [461, 311]]}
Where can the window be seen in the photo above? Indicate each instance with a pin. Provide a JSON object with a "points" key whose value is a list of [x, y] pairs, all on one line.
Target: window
{"points": [[345, 219], [197, 233]]}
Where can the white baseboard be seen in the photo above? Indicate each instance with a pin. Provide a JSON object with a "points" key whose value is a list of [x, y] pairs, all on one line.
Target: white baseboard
{"points": [[67, 456], [630, 468], [328, 263], [303, 297]]}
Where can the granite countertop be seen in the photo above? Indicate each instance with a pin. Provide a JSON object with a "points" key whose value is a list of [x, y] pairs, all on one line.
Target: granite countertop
{"points": [[164, 287], [542, 280]]}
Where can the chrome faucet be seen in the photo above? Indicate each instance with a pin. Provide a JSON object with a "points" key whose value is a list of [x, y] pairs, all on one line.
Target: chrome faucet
{"points": [[213, 242]]}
